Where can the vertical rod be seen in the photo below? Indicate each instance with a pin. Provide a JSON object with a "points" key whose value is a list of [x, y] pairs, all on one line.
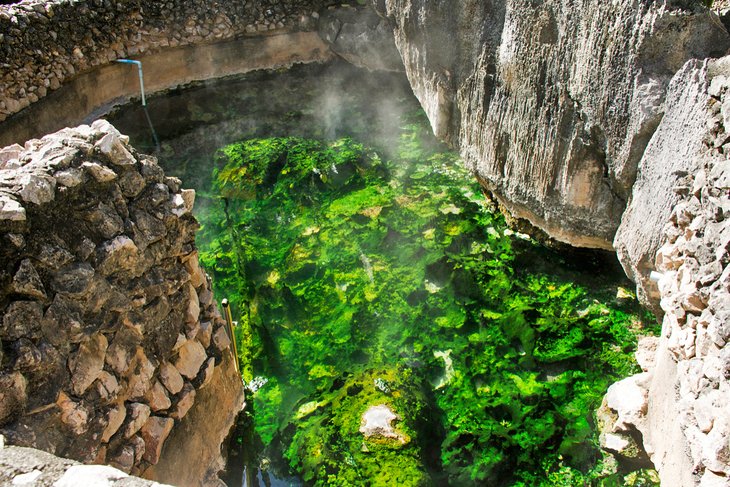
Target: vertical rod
{"points": [[229, 319], [140, 73]]}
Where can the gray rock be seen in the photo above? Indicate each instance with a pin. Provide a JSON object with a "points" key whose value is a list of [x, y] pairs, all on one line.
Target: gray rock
{"points": [[11, 210], [21, 319], [27, 281], [37, 189]]}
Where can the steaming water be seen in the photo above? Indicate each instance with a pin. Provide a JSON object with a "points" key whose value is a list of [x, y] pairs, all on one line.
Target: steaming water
{"points": [[316, 101]]}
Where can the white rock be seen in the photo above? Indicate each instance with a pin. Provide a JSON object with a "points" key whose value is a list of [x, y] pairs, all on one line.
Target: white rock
{"points": [[37, 189], [377, 421], [629, 399], [27, 478], [11, 209], [90, 476], [100, 173]]}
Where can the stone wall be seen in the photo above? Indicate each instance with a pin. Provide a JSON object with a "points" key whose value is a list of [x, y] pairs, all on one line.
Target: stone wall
{"points": [[110, 333], [44, 44], [551, 103], [681, 403]]}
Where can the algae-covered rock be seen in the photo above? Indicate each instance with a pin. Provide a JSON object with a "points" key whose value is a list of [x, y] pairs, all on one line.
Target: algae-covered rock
{"points": [[360, 432]]}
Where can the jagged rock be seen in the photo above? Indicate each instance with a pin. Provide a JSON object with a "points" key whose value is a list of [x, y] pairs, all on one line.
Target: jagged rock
{"points": [[139, 447], [37, 189], [193, 309], [100, 173], [221, 340], [137, 415], [185, 401], [13, 395], [73, 414], [107, 387], [69, 178], [190, 357], [361, 37], [205, 333], [157, 398], [74, 279], [111, 145], [105, 220], [629, 399], [11, 210], [86, 366], [123, 459], [115, 418], [120, 253], [206, 374], [122, 349], [21, 319], [27, 282], [154, 433], [171, 378], [139, 375]]}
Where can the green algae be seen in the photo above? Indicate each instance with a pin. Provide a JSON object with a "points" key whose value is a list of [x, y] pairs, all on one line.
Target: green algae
{"points": [[361, 281]]}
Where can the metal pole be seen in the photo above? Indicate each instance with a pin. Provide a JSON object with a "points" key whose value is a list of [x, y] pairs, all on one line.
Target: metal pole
{"points": [[144, 99], [141, 76], [229, 319]]}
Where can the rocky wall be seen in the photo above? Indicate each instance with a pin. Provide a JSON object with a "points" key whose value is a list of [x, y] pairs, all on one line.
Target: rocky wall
{"points": [[553, 102], [109, 333], [44, 44], [680, 405]]}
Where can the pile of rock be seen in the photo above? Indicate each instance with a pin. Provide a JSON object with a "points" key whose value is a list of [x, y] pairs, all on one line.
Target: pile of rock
{"points": [[686, 384], [45, 43], [109, 326]]}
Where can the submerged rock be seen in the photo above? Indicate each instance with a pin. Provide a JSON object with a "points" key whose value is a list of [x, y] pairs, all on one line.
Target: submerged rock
{"points": [[377, 421]]}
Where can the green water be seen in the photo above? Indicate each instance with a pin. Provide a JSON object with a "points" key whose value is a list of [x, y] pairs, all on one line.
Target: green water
{"points": [[367, 269]]}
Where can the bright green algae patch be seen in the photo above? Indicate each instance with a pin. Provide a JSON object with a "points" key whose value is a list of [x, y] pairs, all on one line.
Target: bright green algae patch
{"points": [[361, 282]]}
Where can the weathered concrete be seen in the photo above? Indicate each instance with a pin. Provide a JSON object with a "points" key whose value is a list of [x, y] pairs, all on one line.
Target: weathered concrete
{"points": [[90, 95]]}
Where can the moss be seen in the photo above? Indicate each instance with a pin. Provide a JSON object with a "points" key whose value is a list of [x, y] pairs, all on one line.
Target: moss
{"points": [[357, 277]]}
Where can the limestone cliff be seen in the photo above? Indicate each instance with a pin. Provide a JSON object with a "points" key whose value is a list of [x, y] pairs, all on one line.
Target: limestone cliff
{"points": [[678, 222], [551, 103], [110, 335]]}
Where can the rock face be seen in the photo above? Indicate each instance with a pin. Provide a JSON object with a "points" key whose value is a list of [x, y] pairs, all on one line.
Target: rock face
{"points": [[551, 103], [104, 349], [361, 37], [678, 223]]}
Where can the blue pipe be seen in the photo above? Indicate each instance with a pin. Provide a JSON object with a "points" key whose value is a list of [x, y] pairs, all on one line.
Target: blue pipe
{"points": [[141, 76]]}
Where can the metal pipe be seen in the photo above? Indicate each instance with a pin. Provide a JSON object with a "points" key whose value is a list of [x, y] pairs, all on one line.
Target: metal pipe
{"points": [[141, 76], [229, 319], [144, 99]]}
